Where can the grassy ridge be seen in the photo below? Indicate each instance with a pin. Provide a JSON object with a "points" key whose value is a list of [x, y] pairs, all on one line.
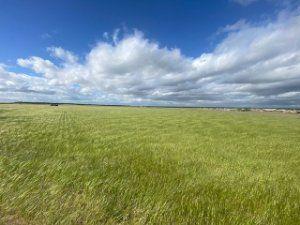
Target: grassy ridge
{"points": [[110, 165]]}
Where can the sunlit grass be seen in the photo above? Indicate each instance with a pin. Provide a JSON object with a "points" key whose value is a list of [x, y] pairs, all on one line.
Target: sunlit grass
{"points": [[117, 165]]}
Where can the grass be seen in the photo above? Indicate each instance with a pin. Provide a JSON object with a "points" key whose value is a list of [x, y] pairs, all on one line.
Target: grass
{"points": [[118, 165]]}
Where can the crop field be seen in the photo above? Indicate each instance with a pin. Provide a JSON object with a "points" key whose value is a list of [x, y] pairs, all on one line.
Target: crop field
{"points": [[134, 165]]}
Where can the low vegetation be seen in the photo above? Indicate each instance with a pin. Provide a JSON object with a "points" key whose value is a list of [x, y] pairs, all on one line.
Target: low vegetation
{"points": [[124, 165]]}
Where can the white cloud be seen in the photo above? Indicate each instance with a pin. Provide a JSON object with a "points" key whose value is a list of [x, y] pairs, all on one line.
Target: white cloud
{"points": [[39, 65], [63, 54], [253, 65], [285, 3], [241, 24]]}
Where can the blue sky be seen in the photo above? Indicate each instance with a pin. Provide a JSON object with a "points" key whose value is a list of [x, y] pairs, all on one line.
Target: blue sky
{"points": [[150, 52], [28, 27]]}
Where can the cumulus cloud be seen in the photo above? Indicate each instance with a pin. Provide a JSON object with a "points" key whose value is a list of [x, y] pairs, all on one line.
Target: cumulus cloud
{"points": [[39, 65], [13, 85], [60, 53], [254, 65]]}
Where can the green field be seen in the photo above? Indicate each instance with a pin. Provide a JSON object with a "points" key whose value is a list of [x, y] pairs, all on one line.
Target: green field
{"points": [[130, 165]]}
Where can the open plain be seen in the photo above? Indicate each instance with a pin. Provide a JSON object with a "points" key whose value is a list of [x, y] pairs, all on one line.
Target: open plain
{"points": [[134, 165]]}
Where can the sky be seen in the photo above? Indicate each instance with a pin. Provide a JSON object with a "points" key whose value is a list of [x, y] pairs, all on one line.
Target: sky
{"points": [[215, 53]]}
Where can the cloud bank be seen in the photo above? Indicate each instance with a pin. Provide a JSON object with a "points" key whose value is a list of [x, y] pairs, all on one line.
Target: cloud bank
{"points": [[254, 65]]}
